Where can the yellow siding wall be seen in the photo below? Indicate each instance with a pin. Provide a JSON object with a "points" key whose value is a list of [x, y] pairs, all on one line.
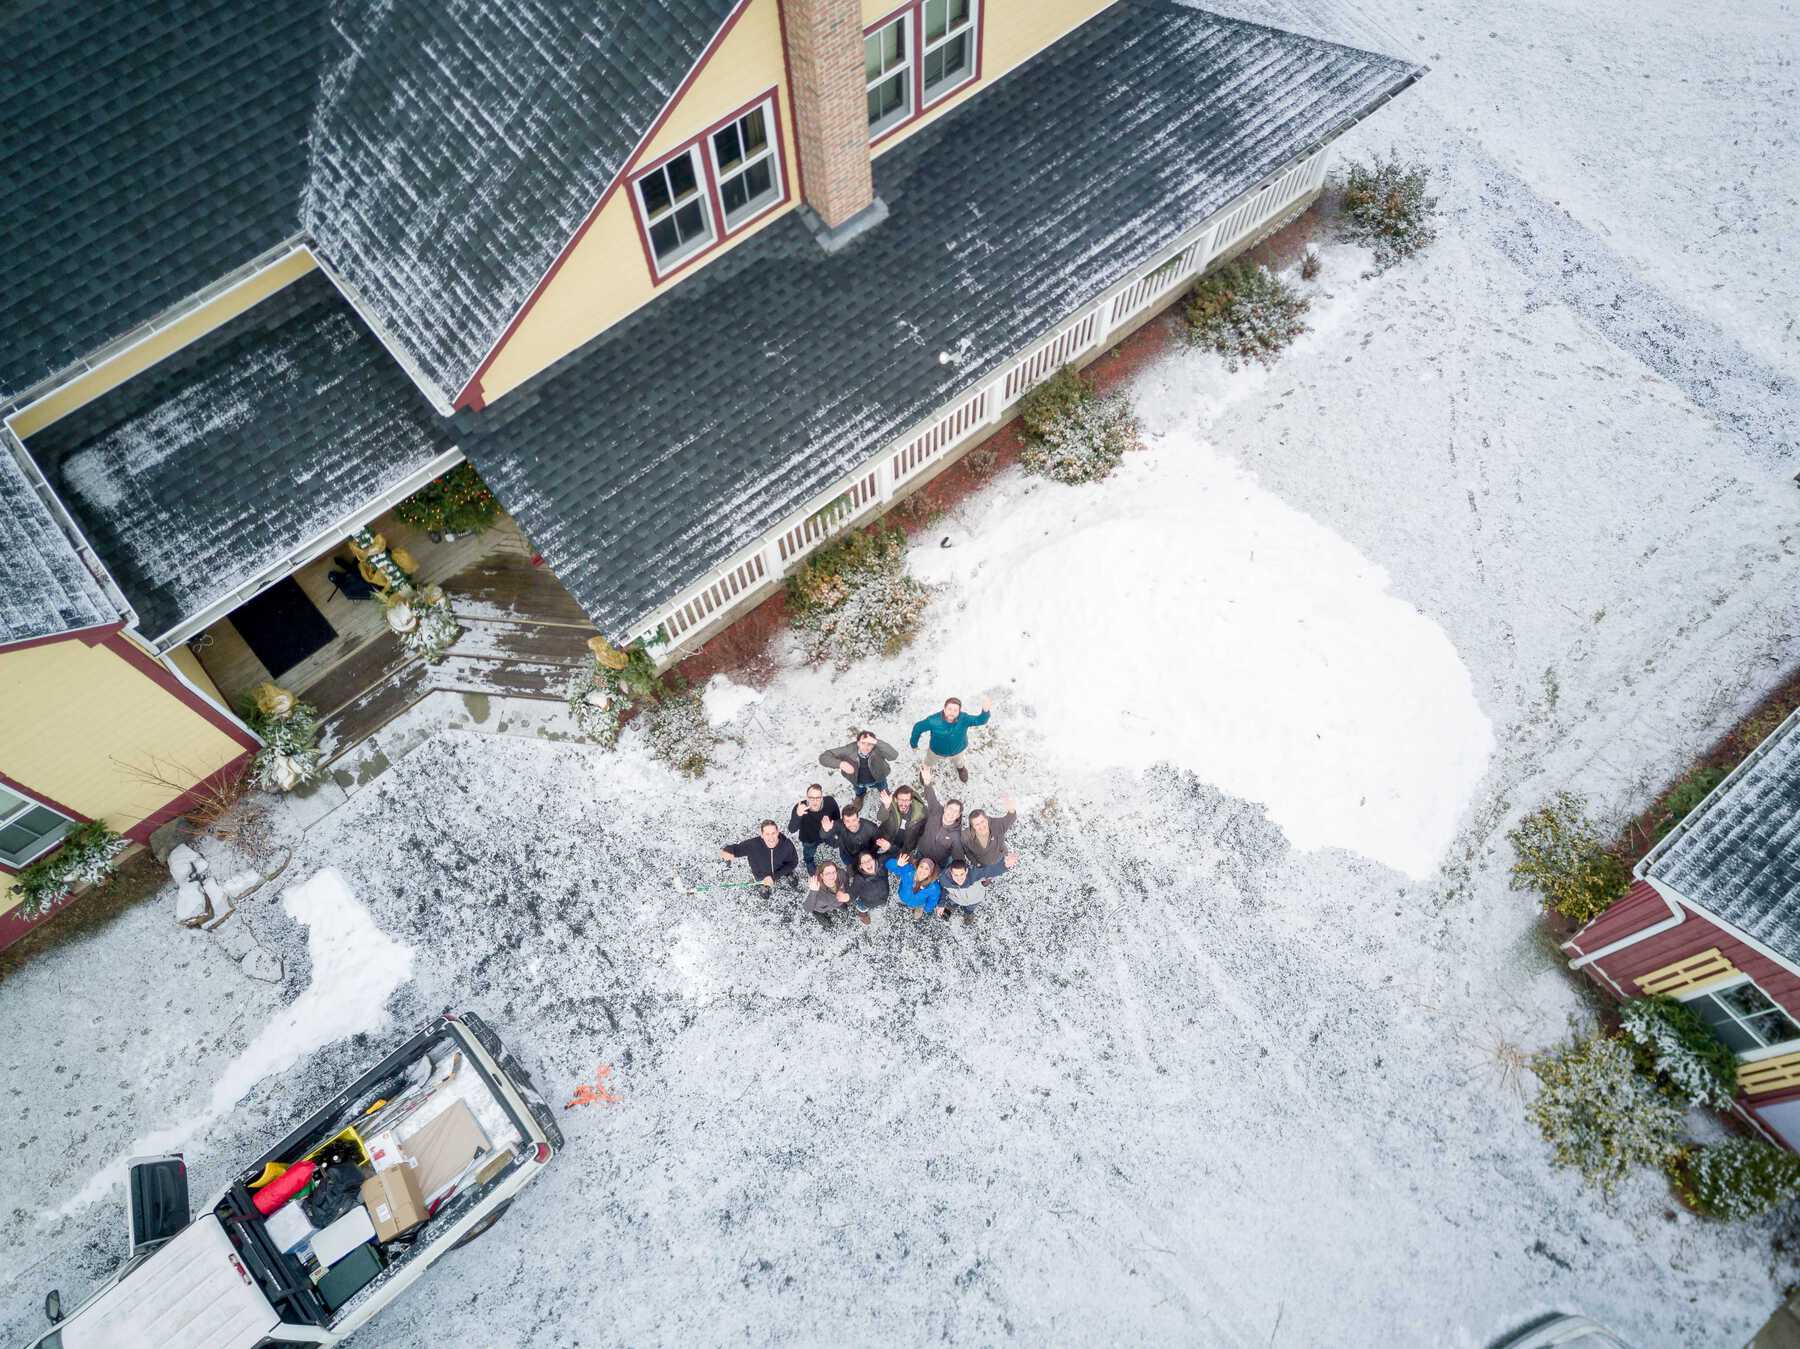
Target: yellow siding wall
{"points": [[606, 276], [1016, 31], [189, 664], [72, 709], [146, 353]]}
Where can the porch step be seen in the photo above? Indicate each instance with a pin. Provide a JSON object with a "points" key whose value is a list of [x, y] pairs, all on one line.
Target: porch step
{"points": [[523, 642]]}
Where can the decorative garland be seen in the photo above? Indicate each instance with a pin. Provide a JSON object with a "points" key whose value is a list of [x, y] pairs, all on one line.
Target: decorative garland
{"points": [[597, 704], [420, 617], [85, 857], [290, 756], [600, 694]]}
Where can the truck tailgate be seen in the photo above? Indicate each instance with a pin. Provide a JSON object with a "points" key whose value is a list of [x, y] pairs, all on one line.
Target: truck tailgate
{"points": [[194, 1293]]}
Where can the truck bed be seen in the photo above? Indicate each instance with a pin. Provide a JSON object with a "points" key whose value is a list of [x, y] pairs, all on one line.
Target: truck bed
{"points": [[283, 1276]]}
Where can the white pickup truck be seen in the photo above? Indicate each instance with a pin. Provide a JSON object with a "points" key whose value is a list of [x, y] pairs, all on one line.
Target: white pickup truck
{"points": [[450, 1098]]}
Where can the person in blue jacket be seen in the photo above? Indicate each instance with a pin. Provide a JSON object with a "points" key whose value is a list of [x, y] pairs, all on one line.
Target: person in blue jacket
{"points": [[949, 732], [919, 888]]}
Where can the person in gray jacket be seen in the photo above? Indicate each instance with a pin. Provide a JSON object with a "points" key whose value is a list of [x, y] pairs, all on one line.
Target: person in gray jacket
{"points": [[960, 882], [983, 839], [941, 839], [865, 762]]}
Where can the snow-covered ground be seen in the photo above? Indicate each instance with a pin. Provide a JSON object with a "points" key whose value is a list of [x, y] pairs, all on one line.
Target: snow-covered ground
{"points": [[1216, 1067]]}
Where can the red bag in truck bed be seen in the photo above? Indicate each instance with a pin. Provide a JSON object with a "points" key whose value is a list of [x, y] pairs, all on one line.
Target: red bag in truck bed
{"points": [[283, 1188]]}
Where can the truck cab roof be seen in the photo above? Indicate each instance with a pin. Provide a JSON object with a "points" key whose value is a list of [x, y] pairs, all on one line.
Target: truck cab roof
{"points": [[191, 1293]]}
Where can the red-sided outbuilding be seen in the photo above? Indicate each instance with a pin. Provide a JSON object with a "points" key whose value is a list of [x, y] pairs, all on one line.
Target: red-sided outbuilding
{"points": [[1713, 920]]}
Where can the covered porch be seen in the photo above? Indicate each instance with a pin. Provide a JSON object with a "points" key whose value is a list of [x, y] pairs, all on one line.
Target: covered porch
{"points": [[221, 490]]}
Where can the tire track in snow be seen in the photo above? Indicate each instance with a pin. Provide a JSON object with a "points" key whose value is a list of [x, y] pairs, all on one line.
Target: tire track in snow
{"points": [[1568, 264]]}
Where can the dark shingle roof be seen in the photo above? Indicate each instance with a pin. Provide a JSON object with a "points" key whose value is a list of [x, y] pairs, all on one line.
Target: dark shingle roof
{"points": [[442, 154], [195, 477], [146, 151], [1739, 856], [44, 588], [458, 147], [684, 433]]}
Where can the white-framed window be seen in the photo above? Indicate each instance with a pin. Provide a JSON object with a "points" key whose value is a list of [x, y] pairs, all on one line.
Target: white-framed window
{"points": [[1744, 1017], [887, 67], [28, 828], [677, 214], [949, 45], [747, 166]]}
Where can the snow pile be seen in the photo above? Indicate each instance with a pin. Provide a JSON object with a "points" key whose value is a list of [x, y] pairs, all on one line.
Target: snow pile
{"points": [[1296, 679], [724, 698], [355, 968]]}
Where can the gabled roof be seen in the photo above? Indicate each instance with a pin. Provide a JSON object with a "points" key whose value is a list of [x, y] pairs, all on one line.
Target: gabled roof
{"points": [[457, 148], [441, 154], [1738, 854], [211, 468], [44, 588], [684, 433]]}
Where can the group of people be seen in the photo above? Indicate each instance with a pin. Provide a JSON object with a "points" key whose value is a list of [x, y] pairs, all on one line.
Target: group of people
{"points": [[889, 840]]}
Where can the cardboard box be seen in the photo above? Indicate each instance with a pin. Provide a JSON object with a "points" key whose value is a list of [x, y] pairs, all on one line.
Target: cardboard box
{"points": [[393, 1200], [443, 1149], [354, 1229]]}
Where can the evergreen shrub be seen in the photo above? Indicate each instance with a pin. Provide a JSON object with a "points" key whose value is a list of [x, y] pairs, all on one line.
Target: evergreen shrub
{"points": [[1386, 207], [677, 733], [1682, 1050], [855, 598], [1739, 1178], [1071, 435], [84, 857], [1561, 856], [1245, 313], [459, 502], [1599, 1113], [1688, 793]]}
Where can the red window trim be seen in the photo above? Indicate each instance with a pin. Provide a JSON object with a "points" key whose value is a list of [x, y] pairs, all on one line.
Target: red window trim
{"points": [[49, 803], [914, 10], [715, 205]]}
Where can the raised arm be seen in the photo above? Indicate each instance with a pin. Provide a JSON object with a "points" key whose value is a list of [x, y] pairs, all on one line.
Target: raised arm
{"points": [[739, 849]]}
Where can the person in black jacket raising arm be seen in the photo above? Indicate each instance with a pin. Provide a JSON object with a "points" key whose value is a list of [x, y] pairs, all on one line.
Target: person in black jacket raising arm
{"points": [[770, 854], [814, 814]]}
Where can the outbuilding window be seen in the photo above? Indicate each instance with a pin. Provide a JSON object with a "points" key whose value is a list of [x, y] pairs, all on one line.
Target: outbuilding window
{"points": [[1744, 1017], [28, 829]]}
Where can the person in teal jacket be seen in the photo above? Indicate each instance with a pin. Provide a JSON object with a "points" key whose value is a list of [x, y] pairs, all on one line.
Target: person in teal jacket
{"points": [[919, 887], [949, 732]]}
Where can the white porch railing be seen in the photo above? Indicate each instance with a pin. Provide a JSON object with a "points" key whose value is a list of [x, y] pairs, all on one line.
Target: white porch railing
{"points": [[862, 493]]}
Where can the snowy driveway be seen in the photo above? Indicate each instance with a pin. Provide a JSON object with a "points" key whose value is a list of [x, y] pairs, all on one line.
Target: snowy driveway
{"points": [[1216, 1068]]}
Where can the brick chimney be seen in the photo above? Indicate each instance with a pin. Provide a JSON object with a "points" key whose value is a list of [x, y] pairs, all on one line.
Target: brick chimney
{"points": [[825, 74]]}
